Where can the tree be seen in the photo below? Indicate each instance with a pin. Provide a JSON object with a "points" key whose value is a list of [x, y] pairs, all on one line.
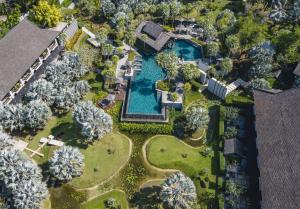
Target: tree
{"points": [[101, 36], [144, 38], [231, 113], [231, 132], [164, 11], [108, 8], [5, 140], [11, 117], [212, 48], [226, 65], [45, 15], [225, 21], [35, 114], [87, 7], [232, 43], [81, 87], [261, 57], [190, 72], [107, 50], [67, 162], [21, 180], [168, 61], [260, 83], [178, 191], [41, 89], [197, 117], [175, 8], [65, 99], [130, 38], [287, 43], [251, 32], [94, 122]]}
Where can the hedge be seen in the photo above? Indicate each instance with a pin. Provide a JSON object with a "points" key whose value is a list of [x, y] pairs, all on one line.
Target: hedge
{"points": [[71, 43], [221, 121], [150, 128], [195, 85]]}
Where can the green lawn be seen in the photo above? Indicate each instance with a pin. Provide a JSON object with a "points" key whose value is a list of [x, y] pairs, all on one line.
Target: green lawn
{"points": [[168, 152], [102, 160], [171, 153], [99, 202], [99, 163]]}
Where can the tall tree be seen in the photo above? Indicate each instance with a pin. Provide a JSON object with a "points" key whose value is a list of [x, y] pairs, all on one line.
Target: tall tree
{"points": [[225, 21], [45, 15], [261, 57], [197, 117], [190, 72], [178, 191], [168, 61], [94, 122], [67, 162]]}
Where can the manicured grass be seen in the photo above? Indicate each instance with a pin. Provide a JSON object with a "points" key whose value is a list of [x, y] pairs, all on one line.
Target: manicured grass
{"points": [[191, 96], [102, 160], [99, 202], [99, 164], [168, 152]]}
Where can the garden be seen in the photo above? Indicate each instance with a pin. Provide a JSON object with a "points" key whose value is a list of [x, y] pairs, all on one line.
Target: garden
{"points": [[106, 163]]}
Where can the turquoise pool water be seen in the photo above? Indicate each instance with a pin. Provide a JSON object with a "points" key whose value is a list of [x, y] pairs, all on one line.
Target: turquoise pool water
{"points": [[143, 98]]}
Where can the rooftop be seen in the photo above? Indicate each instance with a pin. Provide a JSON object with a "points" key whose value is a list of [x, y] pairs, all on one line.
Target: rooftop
{"points": [[233, 147], [278, 135], [157, 37], [19, 49]]}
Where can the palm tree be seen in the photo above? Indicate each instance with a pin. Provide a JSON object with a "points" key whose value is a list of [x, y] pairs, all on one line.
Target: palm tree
{"points": [[178, 191], [144, 38]]}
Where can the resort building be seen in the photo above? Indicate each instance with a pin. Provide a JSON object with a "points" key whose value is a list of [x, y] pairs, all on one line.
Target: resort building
{"points": [[277, 127], [23, 51], [157, 37]]}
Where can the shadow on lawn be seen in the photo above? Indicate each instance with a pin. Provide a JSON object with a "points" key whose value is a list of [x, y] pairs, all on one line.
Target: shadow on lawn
{"points": [[147, 197], [69, 133]]}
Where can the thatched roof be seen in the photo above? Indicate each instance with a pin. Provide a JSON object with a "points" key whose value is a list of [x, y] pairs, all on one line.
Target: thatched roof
{"points": [[157, 37], [278, 136]]}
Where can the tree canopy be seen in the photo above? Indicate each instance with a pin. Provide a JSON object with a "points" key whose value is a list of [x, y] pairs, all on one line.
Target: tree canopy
{"points": [[45, 15]]}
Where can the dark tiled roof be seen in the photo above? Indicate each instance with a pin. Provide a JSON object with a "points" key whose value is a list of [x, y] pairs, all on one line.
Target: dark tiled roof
{"points": [[297, 70], [278, 143], [233, 147], [156, 38], [19, 49], [153, 30]]}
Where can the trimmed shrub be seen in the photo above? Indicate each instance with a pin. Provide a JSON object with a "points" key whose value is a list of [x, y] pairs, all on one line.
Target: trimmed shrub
{"points": [[221, 121], [195, 85], [150, 128]]}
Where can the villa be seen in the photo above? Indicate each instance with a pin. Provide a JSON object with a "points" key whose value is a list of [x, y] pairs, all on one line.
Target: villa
{"points": [[23, 52], [157, 37], [277, 128]]}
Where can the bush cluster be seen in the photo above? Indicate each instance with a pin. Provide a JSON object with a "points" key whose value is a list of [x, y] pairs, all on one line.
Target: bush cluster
{"points": [[150, 128]]}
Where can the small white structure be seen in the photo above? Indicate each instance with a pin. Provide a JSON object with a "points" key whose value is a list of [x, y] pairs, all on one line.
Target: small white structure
{"points": [[221, 90], [51, 141], [89, 33], [169, 103]]}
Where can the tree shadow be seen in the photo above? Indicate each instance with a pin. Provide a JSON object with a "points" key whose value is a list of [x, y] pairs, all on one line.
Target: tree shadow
{"points": [[147, 197], [69, 133]]}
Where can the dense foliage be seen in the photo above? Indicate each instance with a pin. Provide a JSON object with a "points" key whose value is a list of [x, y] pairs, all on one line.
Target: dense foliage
{"points": [[197, 117], [94, 122], [178, 191], [150, 128], [45, 15], [67, 162], [16, 169]]}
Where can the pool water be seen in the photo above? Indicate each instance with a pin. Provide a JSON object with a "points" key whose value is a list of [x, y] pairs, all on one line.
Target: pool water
{"points": [[186, 51], [143, 97]]}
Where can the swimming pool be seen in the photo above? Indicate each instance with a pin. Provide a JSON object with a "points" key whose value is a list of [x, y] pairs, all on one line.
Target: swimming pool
{"points": [[143, 98]]}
